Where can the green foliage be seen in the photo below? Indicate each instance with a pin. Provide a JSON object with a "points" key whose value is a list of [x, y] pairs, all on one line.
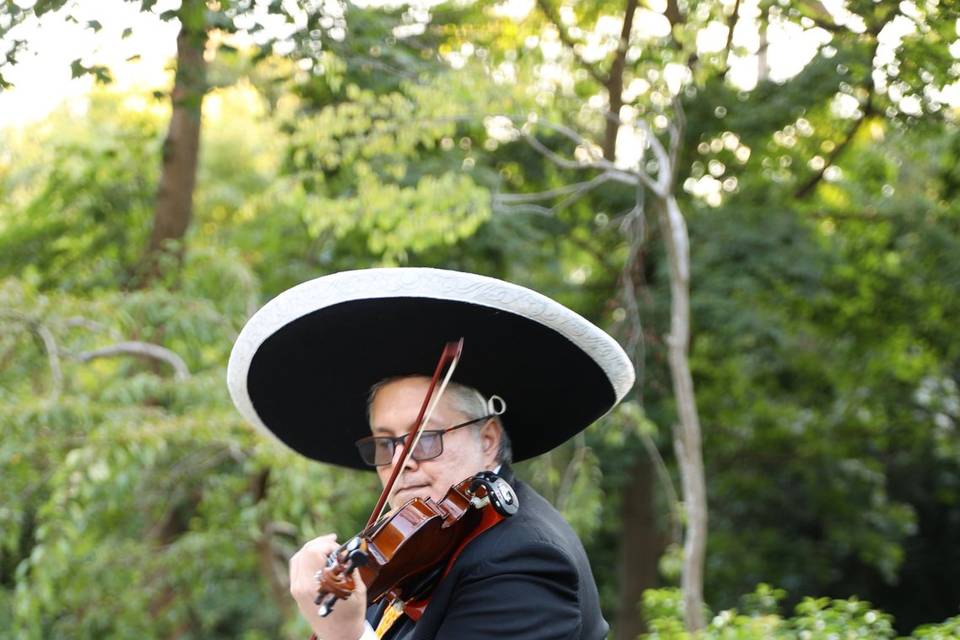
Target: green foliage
{"points": [[814, 619], [131, 481], [78, 196], [945, 631], [820, 361], [819, 307], [823, 349]]}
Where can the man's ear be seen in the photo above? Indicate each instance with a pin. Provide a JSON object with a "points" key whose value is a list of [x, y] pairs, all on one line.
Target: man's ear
{"points": [[490, 438]]}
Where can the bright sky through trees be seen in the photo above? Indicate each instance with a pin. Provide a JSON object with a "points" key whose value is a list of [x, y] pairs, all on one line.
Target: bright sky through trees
{"points": [[42, 74]]}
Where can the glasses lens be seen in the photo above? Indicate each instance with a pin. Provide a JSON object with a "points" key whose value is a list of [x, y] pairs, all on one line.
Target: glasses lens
{"points": [[376, 451], [383, 451], [430, 445]]}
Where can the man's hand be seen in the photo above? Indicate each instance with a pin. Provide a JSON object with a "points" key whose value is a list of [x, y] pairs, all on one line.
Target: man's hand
{"points": [[346, 620]]}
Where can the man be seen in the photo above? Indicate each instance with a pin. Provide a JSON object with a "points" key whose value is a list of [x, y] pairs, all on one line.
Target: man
{"points": [[527, 576]]}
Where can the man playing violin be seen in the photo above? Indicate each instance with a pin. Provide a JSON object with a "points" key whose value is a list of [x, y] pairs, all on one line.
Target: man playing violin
{"points": [[526, 577]]}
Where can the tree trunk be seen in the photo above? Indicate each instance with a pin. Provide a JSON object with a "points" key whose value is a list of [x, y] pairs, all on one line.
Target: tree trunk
{"points": [[687, 441], [614, 84], [641, 546], [272, 567], [174, 205]]}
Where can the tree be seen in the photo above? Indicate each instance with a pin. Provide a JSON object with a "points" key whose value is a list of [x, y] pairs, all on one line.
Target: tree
{"points": [[728, 120], [205, 29], [821, 326]]}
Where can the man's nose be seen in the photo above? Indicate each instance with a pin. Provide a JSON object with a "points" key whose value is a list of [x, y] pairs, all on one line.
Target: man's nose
{"points": [[397, 452]]}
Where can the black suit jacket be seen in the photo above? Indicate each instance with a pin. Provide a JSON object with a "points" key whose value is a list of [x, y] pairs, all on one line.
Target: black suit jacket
{"points": [[525, 578]]}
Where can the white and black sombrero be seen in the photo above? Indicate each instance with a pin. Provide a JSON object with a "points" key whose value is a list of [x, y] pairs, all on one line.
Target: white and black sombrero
{"points": [[303, 365]]}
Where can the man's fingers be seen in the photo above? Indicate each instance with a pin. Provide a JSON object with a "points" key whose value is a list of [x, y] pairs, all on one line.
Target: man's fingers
{"points": [[361, 589], [346, 620], [322, 544], [311, 557]]}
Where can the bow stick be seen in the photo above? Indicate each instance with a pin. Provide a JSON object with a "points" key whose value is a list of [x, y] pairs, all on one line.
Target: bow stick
{"points": [[448, 359]]}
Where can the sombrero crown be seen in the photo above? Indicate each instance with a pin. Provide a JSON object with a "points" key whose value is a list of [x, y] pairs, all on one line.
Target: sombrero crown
{"points": [[303, 365]]}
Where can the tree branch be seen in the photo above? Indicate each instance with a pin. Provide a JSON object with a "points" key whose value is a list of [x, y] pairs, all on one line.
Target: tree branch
{"points": [[553, 156], [823, 19], [807, 187], [270, 559], [534, 209], [661, 188], [731, 24], [575, 188], [635, 233], [614, 173], [141, 349], [570, 473], [50, 346], [90, 325], [53, 358], [687, 438], [634, 230], [866, 214], [573, 193], [676, 136]]}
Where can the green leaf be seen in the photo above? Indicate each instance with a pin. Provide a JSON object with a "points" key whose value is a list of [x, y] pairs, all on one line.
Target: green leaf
{"points": [[77, 69]]}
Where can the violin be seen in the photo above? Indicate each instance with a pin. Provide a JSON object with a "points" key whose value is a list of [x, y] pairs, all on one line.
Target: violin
{"points": [[403, 554]]}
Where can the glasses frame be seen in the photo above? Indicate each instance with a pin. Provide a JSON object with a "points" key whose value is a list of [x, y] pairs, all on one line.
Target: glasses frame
{"points": [[398, 440]]}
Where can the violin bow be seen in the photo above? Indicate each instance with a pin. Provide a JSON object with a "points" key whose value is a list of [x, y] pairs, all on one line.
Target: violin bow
{"points": [[445, 368]]}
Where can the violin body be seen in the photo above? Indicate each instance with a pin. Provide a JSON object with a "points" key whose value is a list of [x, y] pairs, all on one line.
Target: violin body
{"points": [[407, 544], [406, 551]]}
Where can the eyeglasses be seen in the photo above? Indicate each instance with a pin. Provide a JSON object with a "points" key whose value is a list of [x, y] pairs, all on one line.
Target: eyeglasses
{"points": [[377, 451]]}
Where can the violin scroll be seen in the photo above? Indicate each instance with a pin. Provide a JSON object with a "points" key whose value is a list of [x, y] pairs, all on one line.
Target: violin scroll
{"points": [[497, 490]]}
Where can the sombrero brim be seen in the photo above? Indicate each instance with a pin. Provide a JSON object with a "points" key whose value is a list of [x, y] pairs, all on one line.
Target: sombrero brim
{"points": [[303, 366]]}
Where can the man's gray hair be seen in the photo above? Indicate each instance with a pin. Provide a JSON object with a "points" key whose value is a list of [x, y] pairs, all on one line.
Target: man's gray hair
{"points": [[465, 400]]}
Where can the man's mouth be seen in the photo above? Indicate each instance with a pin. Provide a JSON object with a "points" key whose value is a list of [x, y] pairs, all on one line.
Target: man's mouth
{"points": [[416, 489]]}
